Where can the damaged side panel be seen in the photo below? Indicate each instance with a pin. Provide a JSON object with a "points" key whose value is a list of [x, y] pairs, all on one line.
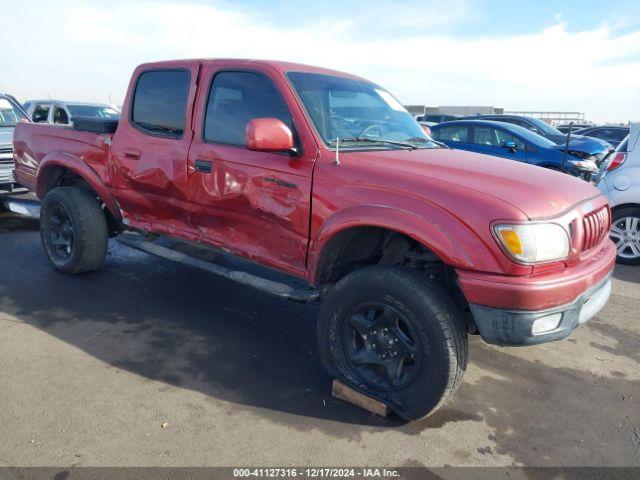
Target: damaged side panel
{"points": [[256, 204]]}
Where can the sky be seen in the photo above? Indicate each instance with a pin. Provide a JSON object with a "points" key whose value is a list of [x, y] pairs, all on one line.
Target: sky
{"points": [[563, 55]]}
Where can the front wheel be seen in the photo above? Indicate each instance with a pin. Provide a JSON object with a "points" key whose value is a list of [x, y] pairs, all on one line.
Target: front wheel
{"points": [[73, 229], [625, 233], [393, 335]]}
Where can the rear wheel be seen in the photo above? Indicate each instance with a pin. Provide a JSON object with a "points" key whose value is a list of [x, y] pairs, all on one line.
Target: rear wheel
{"points": [[393, 335], [73, 229], [625, 233]]}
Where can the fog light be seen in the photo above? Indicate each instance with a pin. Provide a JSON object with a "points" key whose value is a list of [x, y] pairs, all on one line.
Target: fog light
{"points": [[546, 324]]}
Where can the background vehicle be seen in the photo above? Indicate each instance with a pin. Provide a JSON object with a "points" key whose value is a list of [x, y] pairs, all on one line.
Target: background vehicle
{"points": [[621, 185], [10, 114], [565, 127], [61, 113], [434, 119], [510, 141], [326, 182], [611, 134], [577, 143]]}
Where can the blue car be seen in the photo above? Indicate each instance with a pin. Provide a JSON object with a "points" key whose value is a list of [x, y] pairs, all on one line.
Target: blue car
{"points": [[510, 141], [542, 128]]}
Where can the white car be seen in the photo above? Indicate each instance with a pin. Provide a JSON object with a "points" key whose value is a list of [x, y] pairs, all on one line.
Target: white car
{"points": [[10, 114], [59, 112], [621, 185]]}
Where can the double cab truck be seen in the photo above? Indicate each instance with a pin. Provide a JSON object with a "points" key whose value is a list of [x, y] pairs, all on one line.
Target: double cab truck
{"points": [[326, 188]]}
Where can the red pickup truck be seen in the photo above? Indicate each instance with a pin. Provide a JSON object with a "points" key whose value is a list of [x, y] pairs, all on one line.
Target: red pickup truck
{"points": [[325, 182]]}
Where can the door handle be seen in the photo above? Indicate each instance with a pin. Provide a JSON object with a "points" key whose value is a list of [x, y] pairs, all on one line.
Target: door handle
{"points": [[204, 166], [132, 154]]}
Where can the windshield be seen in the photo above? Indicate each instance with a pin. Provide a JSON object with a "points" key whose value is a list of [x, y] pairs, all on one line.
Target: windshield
{"points": [[95, 111], [9, 113], [544, 126], [357, 112]]}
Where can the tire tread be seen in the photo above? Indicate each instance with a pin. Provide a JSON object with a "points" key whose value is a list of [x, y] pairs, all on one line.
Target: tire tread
{"points": [[91, 231], [433, 298]]}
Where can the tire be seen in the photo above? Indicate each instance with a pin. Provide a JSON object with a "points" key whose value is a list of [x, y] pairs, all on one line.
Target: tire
{"points": [[73, 229], [620, 227], [427, 325]]}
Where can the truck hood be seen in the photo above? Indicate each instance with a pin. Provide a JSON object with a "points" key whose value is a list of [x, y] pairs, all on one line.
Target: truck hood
{"points": [[537, 192]]}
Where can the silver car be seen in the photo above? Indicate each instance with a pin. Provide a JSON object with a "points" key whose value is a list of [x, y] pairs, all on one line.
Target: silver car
{"points": [[10, 114], [621, 185], [59, 112]]}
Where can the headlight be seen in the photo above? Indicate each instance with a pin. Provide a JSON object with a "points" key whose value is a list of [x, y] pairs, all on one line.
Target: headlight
{"points": [[585, 165], [534, 242]]}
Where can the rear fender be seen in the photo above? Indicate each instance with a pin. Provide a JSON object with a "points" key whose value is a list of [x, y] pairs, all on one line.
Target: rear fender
{"points": [[80, 168]]}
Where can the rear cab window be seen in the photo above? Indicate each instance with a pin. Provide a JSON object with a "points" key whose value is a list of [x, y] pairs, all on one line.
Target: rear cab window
{"points": [[160, 102]]}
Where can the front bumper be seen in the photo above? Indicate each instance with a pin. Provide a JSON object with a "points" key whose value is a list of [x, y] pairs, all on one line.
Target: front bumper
{"points": [[541, 291], [522, 327]]}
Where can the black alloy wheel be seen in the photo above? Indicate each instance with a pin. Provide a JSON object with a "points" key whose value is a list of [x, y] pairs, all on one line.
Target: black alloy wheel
{"points": [[382, 346], [60, 234]]}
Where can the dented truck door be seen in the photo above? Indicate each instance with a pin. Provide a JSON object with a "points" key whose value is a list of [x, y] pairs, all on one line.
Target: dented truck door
{"points": [[253, 203], [151, 145]]}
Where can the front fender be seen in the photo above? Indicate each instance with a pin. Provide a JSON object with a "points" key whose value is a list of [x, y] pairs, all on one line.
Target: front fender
{"points": [[80, 168], [440, 240]]}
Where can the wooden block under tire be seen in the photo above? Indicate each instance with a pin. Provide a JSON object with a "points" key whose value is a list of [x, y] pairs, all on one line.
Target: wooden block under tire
{"points": [[341, 391]]}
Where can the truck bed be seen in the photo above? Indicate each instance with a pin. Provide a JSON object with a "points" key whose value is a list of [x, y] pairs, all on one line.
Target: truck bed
{"points": [[37, 144]]}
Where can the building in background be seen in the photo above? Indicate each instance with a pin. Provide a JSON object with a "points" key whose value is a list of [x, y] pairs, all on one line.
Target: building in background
{"points": [[453, 110], [553, 118]]}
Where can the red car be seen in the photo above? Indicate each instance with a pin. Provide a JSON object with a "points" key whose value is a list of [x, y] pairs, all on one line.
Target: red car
{"points": [[325, 178]]}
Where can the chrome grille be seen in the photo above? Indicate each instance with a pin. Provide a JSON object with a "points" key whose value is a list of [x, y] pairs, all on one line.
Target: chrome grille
{"points": [[6, 155], [595, 227]]}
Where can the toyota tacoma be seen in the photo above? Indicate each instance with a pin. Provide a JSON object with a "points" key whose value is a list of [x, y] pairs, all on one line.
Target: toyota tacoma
{"points": [[324, 181]]}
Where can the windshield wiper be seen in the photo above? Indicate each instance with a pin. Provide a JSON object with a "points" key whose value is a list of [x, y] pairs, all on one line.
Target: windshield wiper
{"points": [[405, 145], [425, 140]]}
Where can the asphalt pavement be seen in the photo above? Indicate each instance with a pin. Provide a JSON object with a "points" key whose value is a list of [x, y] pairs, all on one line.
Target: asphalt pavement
{"points": [[147, 362]]}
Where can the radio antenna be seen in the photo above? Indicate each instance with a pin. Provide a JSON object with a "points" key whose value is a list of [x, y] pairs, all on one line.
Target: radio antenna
{"points": [[337, 160]]}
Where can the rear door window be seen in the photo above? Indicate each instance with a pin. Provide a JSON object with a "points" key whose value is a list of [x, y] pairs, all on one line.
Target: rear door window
{"points": [[160, 102], [457, 133]]}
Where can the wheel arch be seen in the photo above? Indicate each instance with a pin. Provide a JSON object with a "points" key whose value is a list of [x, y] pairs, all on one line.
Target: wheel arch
{"points": [[54, 168], [625, 205], [339, 231]]}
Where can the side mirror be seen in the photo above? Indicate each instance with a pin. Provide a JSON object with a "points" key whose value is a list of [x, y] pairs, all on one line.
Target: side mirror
{"points": [[269, 135], [510, 145]]}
